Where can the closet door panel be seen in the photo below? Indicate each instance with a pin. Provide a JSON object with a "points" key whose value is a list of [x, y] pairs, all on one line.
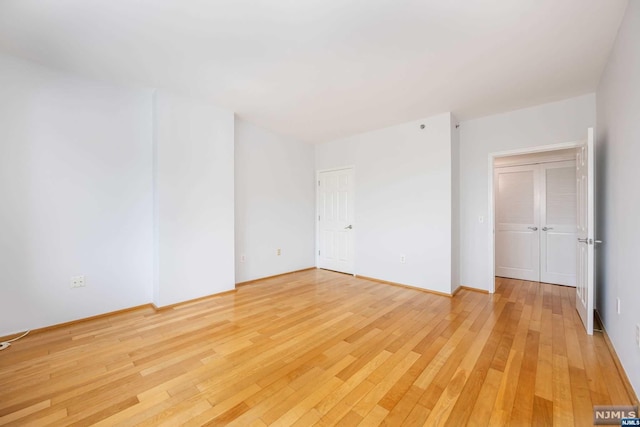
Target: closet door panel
{"points": [[558, 223], [517, 241]]}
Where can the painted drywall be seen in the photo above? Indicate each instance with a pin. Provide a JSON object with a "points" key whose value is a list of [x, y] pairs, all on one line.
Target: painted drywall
{"points": [[402, 201], [618, 204], [275, 203], [553, 123], [193, 199], [75, 195]]}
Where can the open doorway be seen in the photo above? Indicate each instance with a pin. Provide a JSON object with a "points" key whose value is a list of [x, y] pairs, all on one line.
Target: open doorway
{"points": [[585, 219], [515, 158], [536, 216]]}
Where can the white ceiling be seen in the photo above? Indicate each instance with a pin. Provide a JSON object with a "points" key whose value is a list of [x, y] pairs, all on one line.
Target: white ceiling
{"points": [[317, 70]]}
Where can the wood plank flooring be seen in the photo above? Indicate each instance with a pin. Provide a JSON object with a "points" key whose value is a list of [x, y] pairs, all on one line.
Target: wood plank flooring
{"points": [[320, 348]]}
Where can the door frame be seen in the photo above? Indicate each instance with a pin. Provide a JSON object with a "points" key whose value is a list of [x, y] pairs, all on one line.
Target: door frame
{"points": [[491, 227], [317, 221]]}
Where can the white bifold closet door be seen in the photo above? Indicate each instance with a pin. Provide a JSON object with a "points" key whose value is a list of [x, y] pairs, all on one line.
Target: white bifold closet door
{"points": [[517, 243], [558, 229], [535, 223]]}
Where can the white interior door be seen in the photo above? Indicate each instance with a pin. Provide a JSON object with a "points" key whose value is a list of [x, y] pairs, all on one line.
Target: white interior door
{"points": [[558, 223], [335, 219], [585, 267], [517, 244]]}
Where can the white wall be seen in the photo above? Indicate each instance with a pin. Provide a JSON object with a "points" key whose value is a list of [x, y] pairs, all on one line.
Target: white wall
{"points": [[275, 203], [75, 196], [194, 200], [618, 152], [402, 202], [553, 123]]}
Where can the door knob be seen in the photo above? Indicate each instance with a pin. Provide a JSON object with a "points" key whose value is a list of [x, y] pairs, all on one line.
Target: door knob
{"points": [[547, 228], [533, 228], [348, 227], [589, 241]]}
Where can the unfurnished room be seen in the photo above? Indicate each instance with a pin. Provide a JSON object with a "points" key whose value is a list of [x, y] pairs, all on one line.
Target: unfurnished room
{"points": [[278, 213]]}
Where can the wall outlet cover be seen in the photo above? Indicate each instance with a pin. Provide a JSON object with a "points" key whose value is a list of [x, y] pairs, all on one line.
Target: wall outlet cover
{"points": [[77, 282]]}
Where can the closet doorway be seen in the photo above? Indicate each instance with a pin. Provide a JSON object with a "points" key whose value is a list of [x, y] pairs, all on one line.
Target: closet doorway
{"points": [[535, 217]]}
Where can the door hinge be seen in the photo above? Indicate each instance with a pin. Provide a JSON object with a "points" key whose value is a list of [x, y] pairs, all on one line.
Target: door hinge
{"points": [[318, 252], [318, 183], [318, 217]]}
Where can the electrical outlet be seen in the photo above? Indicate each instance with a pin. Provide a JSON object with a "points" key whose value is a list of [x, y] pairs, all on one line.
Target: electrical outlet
{"points": [[638, 335], [403, 259], [78, 282], [278, 251], [242, 258], [618, 305]]}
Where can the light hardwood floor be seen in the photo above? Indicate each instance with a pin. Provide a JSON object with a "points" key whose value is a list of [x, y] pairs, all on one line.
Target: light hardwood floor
{"points": [[318, 347]]}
